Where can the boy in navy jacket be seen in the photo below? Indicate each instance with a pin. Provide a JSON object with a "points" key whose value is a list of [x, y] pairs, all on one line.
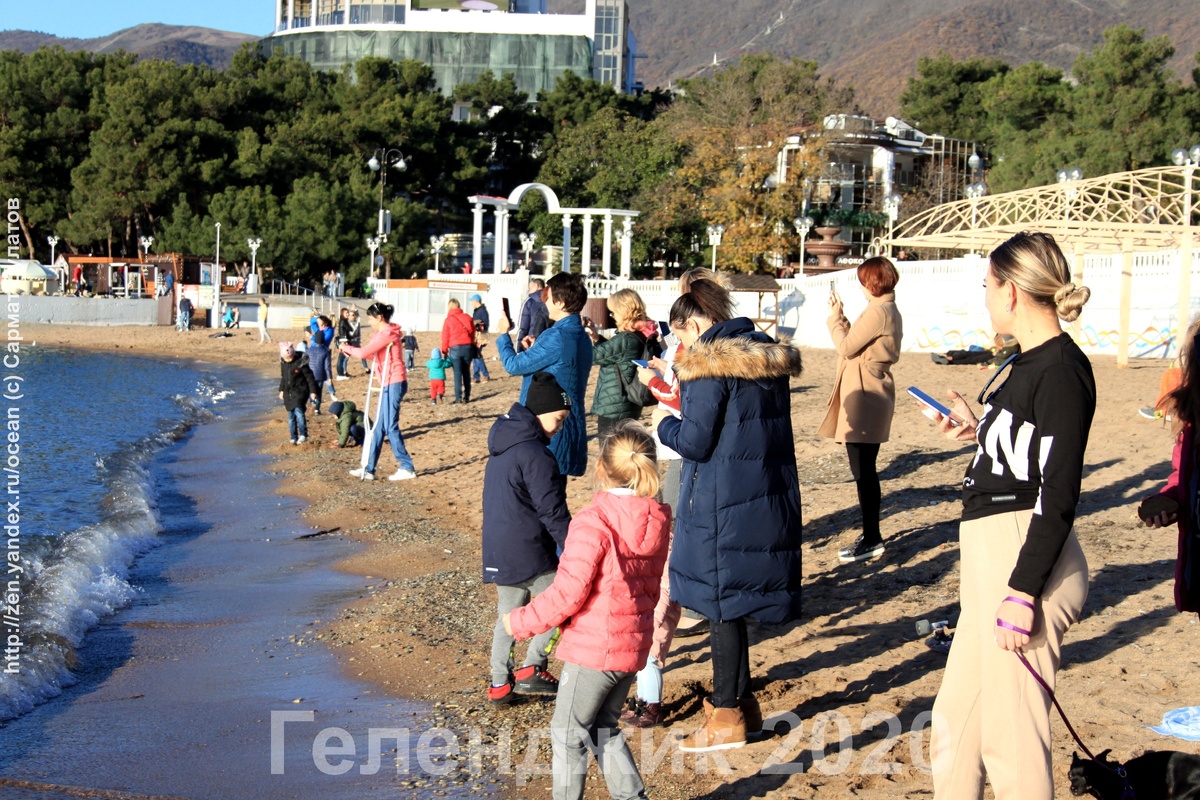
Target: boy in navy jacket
{"points": [[525, 521]]}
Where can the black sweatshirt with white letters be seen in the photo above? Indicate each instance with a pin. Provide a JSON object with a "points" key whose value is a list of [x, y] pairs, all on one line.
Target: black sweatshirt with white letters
{"points": [[1032, 437]]}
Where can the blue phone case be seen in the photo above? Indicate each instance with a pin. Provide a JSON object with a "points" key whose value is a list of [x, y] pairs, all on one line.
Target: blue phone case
{"points": [[640, 363]]}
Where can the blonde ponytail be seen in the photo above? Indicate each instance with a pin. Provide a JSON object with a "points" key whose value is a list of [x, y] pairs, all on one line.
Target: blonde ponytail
{"points": [[629, 459]]}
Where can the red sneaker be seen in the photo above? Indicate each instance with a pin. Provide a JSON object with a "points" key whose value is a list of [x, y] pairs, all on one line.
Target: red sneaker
{"points": [[533, 680], [501, 694]]}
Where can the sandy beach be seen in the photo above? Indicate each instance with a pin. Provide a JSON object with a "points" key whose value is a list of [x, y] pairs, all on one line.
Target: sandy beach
{"points": [[849, 686]]}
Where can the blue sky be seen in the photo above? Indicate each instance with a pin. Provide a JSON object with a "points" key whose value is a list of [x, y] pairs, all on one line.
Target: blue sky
{"points": [[87, 19]]}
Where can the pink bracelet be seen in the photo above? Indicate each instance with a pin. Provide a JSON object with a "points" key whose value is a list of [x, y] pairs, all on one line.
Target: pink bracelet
{"points": [[1018, 601]]}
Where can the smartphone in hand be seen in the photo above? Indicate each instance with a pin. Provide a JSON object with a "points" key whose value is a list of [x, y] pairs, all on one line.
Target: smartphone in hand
{"points": [[932, 405], [640, 363], [507, 316]]}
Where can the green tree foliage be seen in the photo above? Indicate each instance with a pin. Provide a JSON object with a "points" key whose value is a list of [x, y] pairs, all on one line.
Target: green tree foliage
{"points": [[732, 127], [946, 96]]}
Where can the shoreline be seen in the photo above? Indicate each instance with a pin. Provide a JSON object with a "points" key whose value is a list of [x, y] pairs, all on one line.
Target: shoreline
{"points": [[422, 627]]}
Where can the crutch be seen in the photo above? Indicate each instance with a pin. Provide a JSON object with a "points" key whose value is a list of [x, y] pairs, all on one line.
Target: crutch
{"points": [[369, 424]]}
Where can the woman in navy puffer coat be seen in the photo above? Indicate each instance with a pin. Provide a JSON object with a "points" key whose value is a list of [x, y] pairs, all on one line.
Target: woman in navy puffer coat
{"points": [[738, 525]]}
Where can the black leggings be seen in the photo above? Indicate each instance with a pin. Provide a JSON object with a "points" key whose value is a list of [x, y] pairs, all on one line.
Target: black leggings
{"points": [[866, 479], [731, 662]]}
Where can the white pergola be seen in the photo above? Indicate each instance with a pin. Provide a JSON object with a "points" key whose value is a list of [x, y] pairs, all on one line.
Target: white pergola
{"points": [[503, 207], [1143, 210]]}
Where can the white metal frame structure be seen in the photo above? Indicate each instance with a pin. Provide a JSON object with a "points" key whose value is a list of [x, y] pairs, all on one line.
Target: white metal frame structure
{"points": [[1145, 210]]}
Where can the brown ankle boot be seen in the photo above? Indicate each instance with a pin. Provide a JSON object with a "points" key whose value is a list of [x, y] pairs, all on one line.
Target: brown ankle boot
{"points": [[649, 715], [724, 730]]}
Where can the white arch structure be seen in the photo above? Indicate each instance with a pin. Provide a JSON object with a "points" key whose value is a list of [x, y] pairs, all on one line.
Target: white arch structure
{"points": [[503, 207]]}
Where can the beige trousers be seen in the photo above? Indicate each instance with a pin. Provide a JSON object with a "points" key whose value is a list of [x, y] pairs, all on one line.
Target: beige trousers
{"points": [[991, 719]]}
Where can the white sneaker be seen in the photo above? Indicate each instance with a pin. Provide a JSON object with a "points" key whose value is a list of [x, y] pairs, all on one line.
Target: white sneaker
{"points": [[362, 474], [402, 474], [301, 439], [293, 441], [343, 377]]}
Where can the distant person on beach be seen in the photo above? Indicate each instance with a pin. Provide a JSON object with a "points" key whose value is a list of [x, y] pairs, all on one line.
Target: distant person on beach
{"points": [[342, 337], [615, 356], [411, 348], [458, 344], [482, 321], [1024, 578], [184, 323], [296, 387], [603, 596], [354, 337], [263, 310], [534, 316], [736, 554], [1174, 504], [525, 521], [863, 402], [391, 379], [564, 351], [437, 366], [349, 422], [319, 359]]}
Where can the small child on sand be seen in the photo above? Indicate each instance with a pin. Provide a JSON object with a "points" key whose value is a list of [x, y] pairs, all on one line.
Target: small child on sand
{"points": [[525, 521], [437, 376], [296, 387], [410, 348], [603, 595]]}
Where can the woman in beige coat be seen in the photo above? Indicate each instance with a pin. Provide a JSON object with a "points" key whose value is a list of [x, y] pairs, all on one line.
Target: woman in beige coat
{"points": [[864, 395]]}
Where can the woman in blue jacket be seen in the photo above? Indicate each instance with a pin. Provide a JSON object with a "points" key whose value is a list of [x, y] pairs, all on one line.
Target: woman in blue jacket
{"points": [[737, 531]]}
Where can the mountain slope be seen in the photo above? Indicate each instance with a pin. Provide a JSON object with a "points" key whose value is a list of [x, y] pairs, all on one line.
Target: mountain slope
{"points": [[183, 44], [874, 45]]}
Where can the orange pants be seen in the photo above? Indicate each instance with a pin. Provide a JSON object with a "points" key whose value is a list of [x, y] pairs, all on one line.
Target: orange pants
{"points": [[991, 719]]}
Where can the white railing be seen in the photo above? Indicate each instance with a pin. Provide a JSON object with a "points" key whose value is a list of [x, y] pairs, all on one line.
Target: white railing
{"points": [[330, 305]]}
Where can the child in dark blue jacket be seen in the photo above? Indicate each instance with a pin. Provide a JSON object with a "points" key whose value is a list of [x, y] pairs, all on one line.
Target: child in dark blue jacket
{"points": [[525, 521]]}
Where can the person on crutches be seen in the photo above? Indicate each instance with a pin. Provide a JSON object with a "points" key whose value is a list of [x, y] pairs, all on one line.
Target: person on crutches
{"points": [[387, 367]]}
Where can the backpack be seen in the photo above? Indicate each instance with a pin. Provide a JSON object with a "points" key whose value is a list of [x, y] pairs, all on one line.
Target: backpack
{"points": [[635, 391]]}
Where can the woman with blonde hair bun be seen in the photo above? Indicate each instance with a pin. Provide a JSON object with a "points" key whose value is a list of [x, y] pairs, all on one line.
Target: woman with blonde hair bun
{"points": [[1024, 578]]}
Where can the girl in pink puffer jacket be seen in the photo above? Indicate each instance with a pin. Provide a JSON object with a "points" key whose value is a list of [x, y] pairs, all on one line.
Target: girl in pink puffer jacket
{"points": [[603, 596]]}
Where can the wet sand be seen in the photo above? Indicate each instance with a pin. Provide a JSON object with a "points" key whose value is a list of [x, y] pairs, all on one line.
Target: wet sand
{"points": [[852, 671]]}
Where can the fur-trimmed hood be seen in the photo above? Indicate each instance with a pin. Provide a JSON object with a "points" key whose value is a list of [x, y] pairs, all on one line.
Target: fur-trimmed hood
{"points": [[725, 351]]}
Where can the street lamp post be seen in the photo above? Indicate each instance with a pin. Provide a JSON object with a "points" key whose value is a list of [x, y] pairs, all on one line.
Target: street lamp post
{"points": [[527, 242], [383, 159], [1066, 177], [891, 206], [715, 232], [975, 192], [373, 243], [147, 242], [53, 240], [253, 244], [437, 243], [214, 312], [1188, 160], [803, 225]]}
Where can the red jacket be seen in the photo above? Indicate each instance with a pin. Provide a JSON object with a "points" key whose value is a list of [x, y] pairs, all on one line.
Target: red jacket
{"points": [[388, 365], [458, 329], [607, 584], [1178, 488]]}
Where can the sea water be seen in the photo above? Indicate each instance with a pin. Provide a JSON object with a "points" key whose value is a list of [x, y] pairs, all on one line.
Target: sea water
{"points": [[90, 426], [171, 600]]}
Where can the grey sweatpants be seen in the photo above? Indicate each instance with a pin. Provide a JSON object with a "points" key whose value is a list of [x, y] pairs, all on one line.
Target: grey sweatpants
{"points": [[586, 712], [508, 599]]}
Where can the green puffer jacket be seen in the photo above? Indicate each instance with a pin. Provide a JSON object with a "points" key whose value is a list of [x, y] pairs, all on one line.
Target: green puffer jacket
{"points": [[611, 355]]}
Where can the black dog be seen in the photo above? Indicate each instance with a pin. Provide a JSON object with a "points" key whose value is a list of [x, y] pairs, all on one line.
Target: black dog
{"points": [[1154, 775]]}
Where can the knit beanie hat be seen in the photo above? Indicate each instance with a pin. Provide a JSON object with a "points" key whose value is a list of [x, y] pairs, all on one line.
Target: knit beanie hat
{"points": [[335, 408], [545, 395]]}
